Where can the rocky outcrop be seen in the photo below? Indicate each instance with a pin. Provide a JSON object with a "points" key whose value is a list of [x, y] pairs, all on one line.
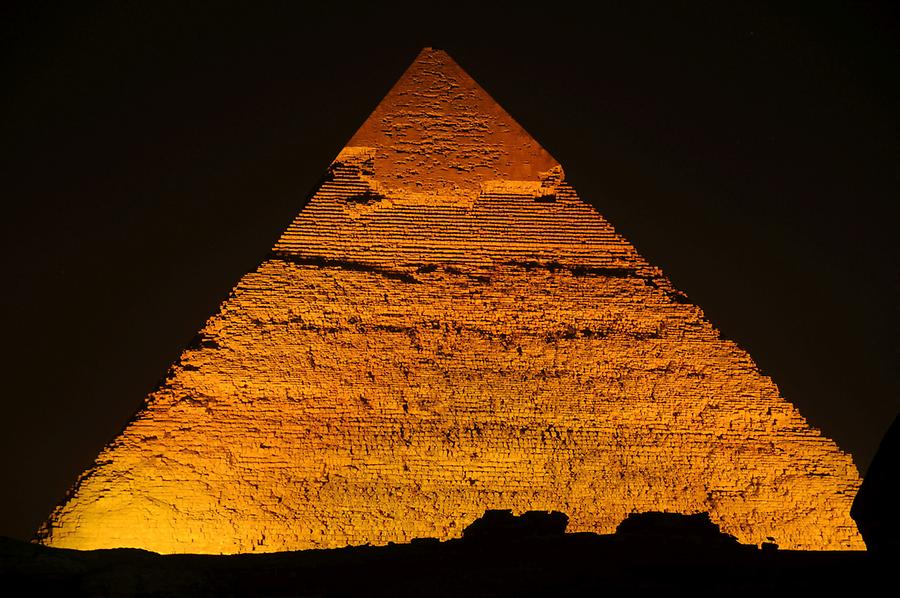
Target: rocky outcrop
{"points": [[696, 530], [446, 328], [502, 525]]}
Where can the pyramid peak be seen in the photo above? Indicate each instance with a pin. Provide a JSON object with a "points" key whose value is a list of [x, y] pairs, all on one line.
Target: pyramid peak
{"points": [[440, 125]]}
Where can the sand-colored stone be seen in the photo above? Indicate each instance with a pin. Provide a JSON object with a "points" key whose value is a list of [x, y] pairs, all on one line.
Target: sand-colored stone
{"points": [[447, 328]]}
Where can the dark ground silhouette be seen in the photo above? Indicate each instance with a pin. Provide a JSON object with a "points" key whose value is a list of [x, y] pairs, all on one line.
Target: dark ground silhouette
{"points": [[499, 555], [875, 508]]}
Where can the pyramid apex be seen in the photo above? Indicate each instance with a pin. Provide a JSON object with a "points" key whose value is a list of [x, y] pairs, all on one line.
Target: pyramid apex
{"points": [[431, 52], [438, 131]]}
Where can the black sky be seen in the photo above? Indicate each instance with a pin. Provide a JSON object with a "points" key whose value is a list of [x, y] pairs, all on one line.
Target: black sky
{"points": [[153, 155]]}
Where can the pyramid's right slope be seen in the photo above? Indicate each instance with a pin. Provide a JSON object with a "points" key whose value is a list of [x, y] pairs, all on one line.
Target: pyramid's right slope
{"points": [[447, 328]]}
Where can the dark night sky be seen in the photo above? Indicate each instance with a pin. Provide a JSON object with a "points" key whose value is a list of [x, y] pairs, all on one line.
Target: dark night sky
{"points": [[151, 157]]}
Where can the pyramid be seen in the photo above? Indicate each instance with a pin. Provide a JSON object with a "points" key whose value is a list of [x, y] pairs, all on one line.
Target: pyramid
{"points": [[446, 328]]}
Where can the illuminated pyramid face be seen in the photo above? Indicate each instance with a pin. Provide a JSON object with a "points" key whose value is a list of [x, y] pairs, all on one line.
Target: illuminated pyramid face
{"points": [[447, 328]]}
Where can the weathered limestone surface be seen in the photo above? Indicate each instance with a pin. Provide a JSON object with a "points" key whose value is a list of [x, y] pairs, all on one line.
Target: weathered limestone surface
{"points": [[447, 328]]}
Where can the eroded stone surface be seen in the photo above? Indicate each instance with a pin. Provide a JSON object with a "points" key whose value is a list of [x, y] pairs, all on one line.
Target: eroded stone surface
{"points": [[437, 133], [423, 346]]}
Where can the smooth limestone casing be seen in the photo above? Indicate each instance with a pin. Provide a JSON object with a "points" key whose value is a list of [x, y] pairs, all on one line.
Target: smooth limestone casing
{"points": [[426, 343]]}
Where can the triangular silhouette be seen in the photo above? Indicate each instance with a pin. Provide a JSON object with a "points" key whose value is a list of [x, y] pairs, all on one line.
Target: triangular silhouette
{"points": [[441, 125], [447, 328]]}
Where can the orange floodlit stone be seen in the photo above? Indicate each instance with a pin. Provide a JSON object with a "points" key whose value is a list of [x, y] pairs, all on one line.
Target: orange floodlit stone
{"points": [[447, 328]]}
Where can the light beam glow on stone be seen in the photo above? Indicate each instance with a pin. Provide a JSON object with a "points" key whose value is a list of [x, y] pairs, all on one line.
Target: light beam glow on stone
{"points": [[447, 328]]}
